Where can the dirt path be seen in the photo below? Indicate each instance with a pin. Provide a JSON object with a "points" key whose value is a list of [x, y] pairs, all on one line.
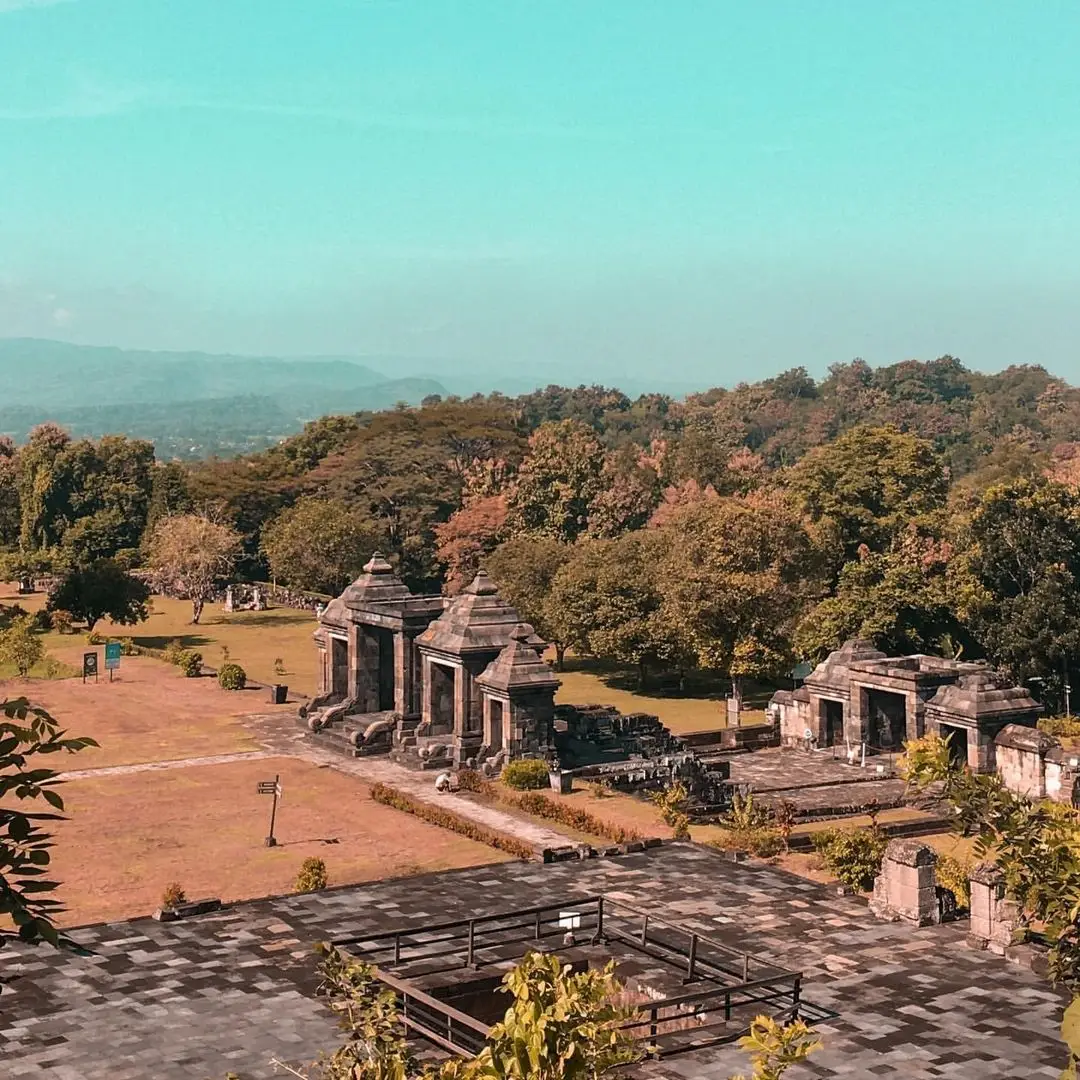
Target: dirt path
{"points": [[156, 766]]}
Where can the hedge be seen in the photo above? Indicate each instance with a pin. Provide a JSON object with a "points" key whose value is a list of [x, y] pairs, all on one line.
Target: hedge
{"points": [[447, 819], [532, 802]]}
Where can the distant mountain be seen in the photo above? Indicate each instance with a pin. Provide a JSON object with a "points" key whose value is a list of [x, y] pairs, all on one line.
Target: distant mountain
{"points": [[190, 404]]}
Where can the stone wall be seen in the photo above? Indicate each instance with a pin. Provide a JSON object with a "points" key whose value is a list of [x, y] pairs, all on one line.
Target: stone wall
{"points": [[906, 888]]}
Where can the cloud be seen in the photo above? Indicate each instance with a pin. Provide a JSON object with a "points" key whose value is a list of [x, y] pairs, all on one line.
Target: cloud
{"points": [[18, 5], [87, 99], [61, 316]]}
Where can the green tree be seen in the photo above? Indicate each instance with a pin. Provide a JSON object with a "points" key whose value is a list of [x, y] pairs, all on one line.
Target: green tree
{"points": [[26, 733], [319, 544], [1022, 552], [20, 647], [101, 589], [737, 574], [557, 482], [901, 600], [44, 487], [9, 494], [524, 570], [869, 485], [468, 537], [192, 555], [774, 1047], [170, 494]]}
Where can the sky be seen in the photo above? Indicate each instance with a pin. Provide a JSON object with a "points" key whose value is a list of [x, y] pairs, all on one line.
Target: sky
{"points": [[688, 190]]}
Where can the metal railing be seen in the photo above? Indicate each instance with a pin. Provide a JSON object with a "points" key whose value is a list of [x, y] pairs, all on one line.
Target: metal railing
{"points": [[732, 986]]}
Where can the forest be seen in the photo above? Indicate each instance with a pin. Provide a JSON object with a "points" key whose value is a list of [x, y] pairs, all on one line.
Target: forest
{"points": [[924, 506]]}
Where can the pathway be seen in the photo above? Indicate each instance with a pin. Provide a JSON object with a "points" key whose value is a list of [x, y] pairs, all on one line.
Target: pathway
{"points": [[279, 734], [157, 766]]}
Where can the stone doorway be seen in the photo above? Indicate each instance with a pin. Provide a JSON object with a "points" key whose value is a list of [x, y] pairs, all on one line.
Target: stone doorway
{"points": [[886, 727], [376, 646], [832, 723], [339, 667], [958, 743], [441, 698], [494, 734]]}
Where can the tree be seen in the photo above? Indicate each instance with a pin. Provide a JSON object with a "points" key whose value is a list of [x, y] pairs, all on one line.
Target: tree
{"points": [[1022, 551], [524, 569], [557, 482], [737, 574], [43, 487], [468, 537], [26, 733], [629, 492], [192, 554], [9, 494], [102, 589], [319, 544], [774, 1047], [20, 646], [608, 600], [901, 600], [169, 494], [869, 485]]}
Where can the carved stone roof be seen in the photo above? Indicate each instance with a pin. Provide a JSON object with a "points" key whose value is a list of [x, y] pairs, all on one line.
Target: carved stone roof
{"points": [[377, 584], [834, 671], [335, 615], [519, 667], [478, 619], [982, 695]]}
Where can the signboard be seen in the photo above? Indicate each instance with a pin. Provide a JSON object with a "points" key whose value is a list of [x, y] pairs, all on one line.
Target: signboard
{"points": [[89, 666], [270, 787], [112, 655]]}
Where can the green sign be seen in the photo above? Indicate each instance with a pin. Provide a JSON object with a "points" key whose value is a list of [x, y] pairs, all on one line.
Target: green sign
{"points": [[112, 655]]}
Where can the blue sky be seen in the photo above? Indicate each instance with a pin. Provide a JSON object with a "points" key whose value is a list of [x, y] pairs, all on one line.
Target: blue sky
{"points": [[705, 191]]}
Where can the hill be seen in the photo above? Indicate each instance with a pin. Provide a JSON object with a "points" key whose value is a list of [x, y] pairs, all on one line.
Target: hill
{"points": [[189, 404]]}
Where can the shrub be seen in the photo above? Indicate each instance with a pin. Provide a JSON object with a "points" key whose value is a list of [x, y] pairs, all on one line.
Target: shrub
{"points": [[532, 802], [312, 876], [279, 667], [173, 896], [174, 650], [447, 819], [471, 780], [745, 814], [1067, 726], [853, 856], [786, 814], [224, 654], [127, 647], [94, 638], [671, 802], [601, 789], [764, 841], [955, 875], [232, 677], [190, 663], [42, 620], [62, 621], [528, 775]]}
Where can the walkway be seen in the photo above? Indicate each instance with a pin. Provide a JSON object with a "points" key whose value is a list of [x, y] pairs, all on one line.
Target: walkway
{"points": [[158, 766]]}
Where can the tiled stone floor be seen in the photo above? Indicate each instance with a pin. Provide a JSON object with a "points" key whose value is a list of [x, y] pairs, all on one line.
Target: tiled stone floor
{"points": [[231, 990]]}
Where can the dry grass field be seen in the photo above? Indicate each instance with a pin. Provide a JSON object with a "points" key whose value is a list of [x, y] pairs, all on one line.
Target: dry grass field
{"points": [[127, 837]]}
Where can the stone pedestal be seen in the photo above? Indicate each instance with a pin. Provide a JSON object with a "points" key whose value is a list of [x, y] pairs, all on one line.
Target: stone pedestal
{"points": [[230, 601], [906, 889], [994, 919]]}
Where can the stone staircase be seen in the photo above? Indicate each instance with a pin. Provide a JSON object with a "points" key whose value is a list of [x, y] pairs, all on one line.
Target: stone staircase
{"points": [[421, 752], [352, 735]]}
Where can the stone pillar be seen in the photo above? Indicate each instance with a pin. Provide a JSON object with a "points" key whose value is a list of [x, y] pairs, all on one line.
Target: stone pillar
{"points": [[906, 889], [257, 602], [426, 710], [230, 601], [855, 717], [993, 918], [402, 673]]}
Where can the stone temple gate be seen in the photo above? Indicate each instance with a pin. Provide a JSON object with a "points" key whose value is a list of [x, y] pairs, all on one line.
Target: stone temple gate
{"points": [[430, 677]]}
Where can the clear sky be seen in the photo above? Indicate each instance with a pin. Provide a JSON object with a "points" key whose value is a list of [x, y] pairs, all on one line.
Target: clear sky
{"points": [[701, 189]]}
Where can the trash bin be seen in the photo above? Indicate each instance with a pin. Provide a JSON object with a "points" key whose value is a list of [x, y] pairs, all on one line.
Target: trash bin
{"points": [[279, 694], [561, 781]]}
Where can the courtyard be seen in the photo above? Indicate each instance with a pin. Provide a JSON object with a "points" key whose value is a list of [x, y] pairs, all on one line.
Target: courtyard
{"points": [[234, 989]]}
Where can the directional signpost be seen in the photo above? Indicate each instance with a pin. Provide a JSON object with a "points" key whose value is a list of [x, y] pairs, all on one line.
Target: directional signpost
{"points": [[112, 657], [271, 787]]}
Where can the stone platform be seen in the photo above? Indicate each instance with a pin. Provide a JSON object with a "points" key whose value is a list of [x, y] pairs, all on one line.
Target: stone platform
{"points": [[233, 989]]}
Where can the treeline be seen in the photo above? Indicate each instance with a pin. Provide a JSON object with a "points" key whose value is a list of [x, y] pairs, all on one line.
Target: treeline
{"points": [[922, 505]]}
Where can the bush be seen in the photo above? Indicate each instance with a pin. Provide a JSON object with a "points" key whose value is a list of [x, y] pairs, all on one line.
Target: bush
{"points": [[312, 876], [764, 841], [532, 802], [853, 856], [955, 875], [528, 775], [232, 677], [447, 819], [173, 651], [128, 647], [471, 780], [190, 663], [746, 815], [62, 621], [42, 620], [94, 638], [1066, 726], [173, 896]]}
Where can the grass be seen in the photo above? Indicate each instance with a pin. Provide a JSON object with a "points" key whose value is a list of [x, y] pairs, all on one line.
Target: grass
{"points": [[204, 827], [255, 639]]}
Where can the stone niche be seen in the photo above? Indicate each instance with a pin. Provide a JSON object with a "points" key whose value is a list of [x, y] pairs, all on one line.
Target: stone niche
{"points": [[906, 888]]}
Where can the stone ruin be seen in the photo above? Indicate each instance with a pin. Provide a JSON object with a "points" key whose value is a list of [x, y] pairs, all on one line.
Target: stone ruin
{"points": [[456, 682], [863, 700]]}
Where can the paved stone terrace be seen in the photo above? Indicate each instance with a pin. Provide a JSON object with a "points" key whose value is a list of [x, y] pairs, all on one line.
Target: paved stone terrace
{"points": [[231, 990]]}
